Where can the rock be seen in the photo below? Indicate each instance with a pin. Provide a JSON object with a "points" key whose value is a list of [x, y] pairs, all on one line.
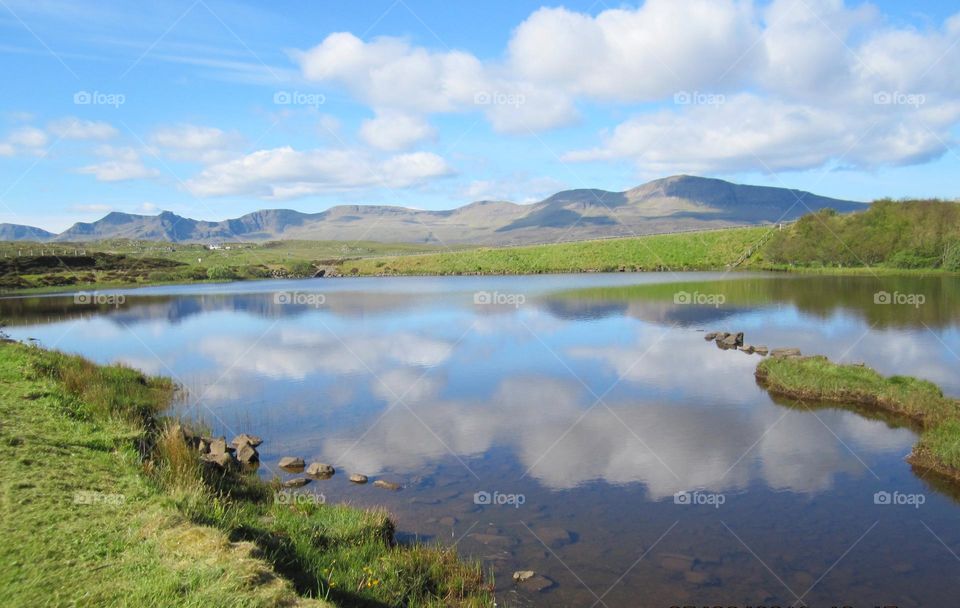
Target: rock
{"points": [[710, 336], [448, 521], [538, 583], [223, 460], [748, 348], [786, 353], [292, 464], [739, 338], [495, 540], [676, 562], [219, 446], [247, 454], [386, 485], [320, 470], [358, 478], [698, 577], [521, 576], [729, 341], [554, 537], [202, 446], [761, 350], [296, 482], [251, 440]]}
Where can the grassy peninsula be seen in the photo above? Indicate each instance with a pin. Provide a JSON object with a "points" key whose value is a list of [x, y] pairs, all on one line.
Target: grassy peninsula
{"points": [[920, 401], [104, 504]]}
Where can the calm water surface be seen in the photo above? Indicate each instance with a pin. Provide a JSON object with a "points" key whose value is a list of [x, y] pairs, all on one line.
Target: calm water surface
{"points": [[637, 464]]}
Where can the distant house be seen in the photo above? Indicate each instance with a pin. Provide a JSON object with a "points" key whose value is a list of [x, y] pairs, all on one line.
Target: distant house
{"points": [[215, 247]]}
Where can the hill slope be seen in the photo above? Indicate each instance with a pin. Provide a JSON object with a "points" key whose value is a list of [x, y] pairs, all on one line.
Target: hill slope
{"points": [[665, 205]]}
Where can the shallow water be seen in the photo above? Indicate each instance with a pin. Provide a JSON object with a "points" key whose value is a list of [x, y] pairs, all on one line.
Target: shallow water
{"points": [[625, 458]]}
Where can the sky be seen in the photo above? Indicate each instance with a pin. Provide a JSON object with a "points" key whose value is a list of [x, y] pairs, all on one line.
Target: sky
{"points": [[212, 109]]}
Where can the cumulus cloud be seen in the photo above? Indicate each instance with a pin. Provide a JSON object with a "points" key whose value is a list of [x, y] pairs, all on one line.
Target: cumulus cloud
{"points": [[284, 173], [196, 143], [395, 131], [28, 137], [727, 85], [119, 164]]}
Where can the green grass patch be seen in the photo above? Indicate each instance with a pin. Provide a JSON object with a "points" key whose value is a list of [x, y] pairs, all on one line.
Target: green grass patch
{"points": [[688, 251], [105, 504]]}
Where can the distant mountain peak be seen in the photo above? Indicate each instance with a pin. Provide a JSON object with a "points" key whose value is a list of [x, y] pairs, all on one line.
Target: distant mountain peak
{"points": [[677, 202]]}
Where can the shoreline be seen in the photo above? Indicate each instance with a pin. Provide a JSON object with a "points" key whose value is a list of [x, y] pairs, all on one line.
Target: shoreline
{"points": [[177, 524]]}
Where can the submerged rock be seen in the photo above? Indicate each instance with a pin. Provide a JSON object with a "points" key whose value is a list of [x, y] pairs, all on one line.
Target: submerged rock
{"points": [[523, 575], [296, 482], [386, 485]]}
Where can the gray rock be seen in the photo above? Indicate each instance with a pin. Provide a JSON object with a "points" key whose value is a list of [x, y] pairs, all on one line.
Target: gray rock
{"points": [[761, 350], [386, 485], [292, 464], [251, 440], [320, 470], [748, 348], [710, 336], [247, 454], [358, 478], [787, 353], [223, 460], [219, 446]]}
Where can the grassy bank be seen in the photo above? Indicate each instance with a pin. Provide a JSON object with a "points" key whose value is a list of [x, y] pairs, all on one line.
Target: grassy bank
{"points": [[688, 251], [105, 505], [818, 379]]}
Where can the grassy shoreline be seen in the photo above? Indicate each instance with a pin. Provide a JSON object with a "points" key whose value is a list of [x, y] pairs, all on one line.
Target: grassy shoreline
{"points": [[97, 483], [919, 401]]}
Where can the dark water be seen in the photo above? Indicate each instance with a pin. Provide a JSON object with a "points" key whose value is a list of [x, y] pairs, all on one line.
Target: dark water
{"points": [[584, 404]]}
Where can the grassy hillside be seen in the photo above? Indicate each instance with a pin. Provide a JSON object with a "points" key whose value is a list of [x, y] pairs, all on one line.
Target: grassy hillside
{"points": [[908, 234], [687, 251], [105, 505]]}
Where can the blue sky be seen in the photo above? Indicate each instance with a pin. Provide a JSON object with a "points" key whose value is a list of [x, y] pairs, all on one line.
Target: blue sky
{"points": [[213, 109]]}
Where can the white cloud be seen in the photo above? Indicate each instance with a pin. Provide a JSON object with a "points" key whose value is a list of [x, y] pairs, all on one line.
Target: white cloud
{"points": [[120, 164], [28, 137], [286, 173], [75, 128], [395, 131], [807, 83], [196, 143]]}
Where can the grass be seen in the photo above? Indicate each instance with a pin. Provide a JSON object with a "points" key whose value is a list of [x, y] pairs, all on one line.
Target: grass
{"points": [[819, 379], [105, 504], [688, 251]]}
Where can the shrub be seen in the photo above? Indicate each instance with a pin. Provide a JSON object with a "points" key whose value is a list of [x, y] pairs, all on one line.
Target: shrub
{"points": [[221, 273], [301, 269]]}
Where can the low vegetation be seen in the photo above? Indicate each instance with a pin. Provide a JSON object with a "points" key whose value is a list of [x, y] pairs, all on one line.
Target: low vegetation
{"points": [[819, 380], [104, 504], [890, 234]]}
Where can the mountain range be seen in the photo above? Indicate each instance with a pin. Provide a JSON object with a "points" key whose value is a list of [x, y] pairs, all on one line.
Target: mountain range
{"points": [[670, 204]]}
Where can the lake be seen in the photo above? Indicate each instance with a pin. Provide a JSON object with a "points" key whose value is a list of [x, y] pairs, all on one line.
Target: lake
{"points": [[575, 425]]}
